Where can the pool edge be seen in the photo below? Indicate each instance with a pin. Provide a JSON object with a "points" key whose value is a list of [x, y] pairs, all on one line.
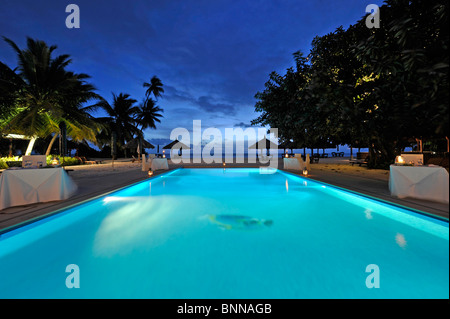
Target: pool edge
{"points": [[60, 210], [414, 210]]}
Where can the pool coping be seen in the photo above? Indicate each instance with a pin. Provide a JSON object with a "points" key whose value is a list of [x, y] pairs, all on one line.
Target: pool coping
{"points": [[414, 210], [62, 209]]}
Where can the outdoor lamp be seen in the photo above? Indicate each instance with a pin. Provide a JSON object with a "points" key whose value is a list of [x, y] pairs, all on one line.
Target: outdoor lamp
{"points": [[150, 172], [305, 171], [399, 160], [55, 161]]}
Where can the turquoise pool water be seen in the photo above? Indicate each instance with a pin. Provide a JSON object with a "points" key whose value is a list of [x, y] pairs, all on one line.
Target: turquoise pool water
{"points": [[234, 233]]}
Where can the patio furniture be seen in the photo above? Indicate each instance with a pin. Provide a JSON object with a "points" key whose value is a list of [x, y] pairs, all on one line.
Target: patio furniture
{"points": [[27, 186], [86, 161], [415, 159], [362, 158], [423, 182], [293, 163], [337, 154], [159, 163], [34, 161], [134, 159]]}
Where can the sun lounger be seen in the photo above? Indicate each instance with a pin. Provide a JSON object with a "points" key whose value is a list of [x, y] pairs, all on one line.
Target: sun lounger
{"points": [[84, 160], [362, 158], [134, 159]]}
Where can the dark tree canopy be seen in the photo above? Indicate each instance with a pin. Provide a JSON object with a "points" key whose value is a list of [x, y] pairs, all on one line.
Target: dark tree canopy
{"points": [[376, 87]]}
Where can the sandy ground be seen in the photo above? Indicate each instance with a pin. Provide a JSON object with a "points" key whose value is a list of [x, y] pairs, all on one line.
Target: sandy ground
{"points": [[101, 170], [348, 169], [325, 165], [95, 180]]}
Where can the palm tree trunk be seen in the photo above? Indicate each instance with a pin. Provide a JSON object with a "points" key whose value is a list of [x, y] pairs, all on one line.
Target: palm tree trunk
{"points": [[10, 154], [49, 148], [30, 146]]}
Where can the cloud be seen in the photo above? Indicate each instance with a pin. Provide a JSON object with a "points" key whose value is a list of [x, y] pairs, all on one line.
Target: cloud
{"points": [[243, 125], [207, 104], [204, 103], [212, 56]]}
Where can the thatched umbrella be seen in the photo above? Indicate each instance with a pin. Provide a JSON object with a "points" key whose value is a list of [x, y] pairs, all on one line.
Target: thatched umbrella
{"points": [[139, 144], [176, 144], [134, 143], [264, 144]]}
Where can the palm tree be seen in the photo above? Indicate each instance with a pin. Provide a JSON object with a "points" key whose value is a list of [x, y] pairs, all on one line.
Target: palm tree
{"points": [[122, 118], [81, 125], [10, 84], [155, 87], [43, 94], [148, 114]]}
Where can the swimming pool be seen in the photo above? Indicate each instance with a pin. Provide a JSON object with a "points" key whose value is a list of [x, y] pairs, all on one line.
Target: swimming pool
{"points": [[228, 233]]}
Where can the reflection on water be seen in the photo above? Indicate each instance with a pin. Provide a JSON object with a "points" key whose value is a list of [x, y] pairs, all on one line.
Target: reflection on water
{"points": [[128, 222], [400, 240]]}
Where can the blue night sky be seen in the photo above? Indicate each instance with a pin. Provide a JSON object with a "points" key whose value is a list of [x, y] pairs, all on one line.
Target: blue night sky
{"points": [[211, 55]]}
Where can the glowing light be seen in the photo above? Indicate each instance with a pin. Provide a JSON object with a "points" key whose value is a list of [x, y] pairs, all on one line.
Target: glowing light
{"points": [[110, 199], [399, 160], [400, 240]]}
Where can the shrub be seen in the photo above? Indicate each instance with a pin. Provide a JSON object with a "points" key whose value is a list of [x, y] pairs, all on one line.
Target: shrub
{"points": [[63, 161], [3, 164]]}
